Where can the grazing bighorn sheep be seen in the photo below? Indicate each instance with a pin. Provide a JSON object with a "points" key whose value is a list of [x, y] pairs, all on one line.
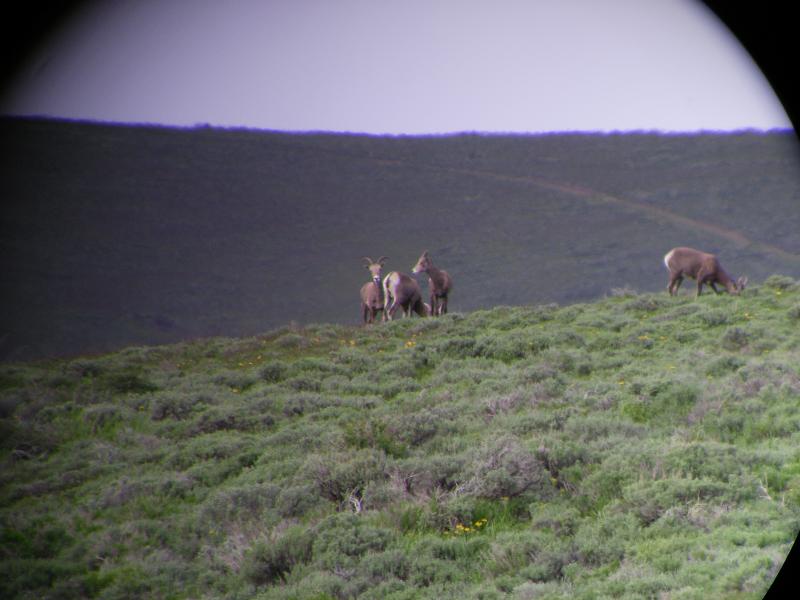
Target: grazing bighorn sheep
{"points": [[401, 290], [372, 291], [439, 283], [704, 267]]}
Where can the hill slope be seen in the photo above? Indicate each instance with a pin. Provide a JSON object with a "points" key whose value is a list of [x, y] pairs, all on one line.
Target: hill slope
{"points": [[637, 446], [117, 235]]}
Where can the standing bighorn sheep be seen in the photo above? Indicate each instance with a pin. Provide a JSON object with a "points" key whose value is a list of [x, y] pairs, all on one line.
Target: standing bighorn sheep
{"points": [[372, 291], [704, 267], [439, 283], [403, 291]]}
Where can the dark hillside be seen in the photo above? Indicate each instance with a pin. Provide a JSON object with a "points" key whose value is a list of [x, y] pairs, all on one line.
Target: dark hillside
{"points": [[116, 235]]}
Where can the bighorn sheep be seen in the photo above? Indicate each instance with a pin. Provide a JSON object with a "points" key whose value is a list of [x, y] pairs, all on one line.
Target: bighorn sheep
{"points": [[704, 267], [372, 291], [401, 290], [439, 283]]}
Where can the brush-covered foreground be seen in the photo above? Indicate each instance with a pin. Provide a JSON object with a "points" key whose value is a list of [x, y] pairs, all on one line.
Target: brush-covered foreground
{"points": [[638, 446]]}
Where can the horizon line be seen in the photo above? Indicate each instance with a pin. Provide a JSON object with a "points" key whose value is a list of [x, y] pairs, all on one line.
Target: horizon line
{"points": [[454, 133]]}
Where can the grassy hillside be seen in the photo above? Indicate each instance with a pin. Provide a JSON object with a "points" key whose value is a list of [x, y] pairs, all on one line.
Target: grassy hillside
{"points": [[637, 446], [112, 235]]}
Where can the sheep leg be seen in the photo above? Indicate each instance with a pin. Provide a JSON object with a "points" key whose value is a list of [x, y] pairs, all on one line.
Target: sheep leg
{"points": [[699, 286], [674, 283]]}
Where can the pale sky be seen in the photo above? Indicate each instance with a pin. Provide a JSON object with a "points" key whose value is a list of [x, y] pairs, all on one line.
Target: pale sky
{"points": [[400, 67]]}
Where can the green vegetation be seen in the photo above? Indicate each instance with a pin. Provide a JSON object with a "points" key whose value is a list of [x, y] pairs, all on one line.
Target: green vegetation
{"points": [[115, 236], [637, 446]]}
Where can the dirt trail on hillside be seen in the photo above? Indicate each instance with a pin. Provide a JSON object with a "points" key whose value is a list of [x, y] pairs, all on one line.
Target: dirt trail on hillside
{"points": [[590, 195]]}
